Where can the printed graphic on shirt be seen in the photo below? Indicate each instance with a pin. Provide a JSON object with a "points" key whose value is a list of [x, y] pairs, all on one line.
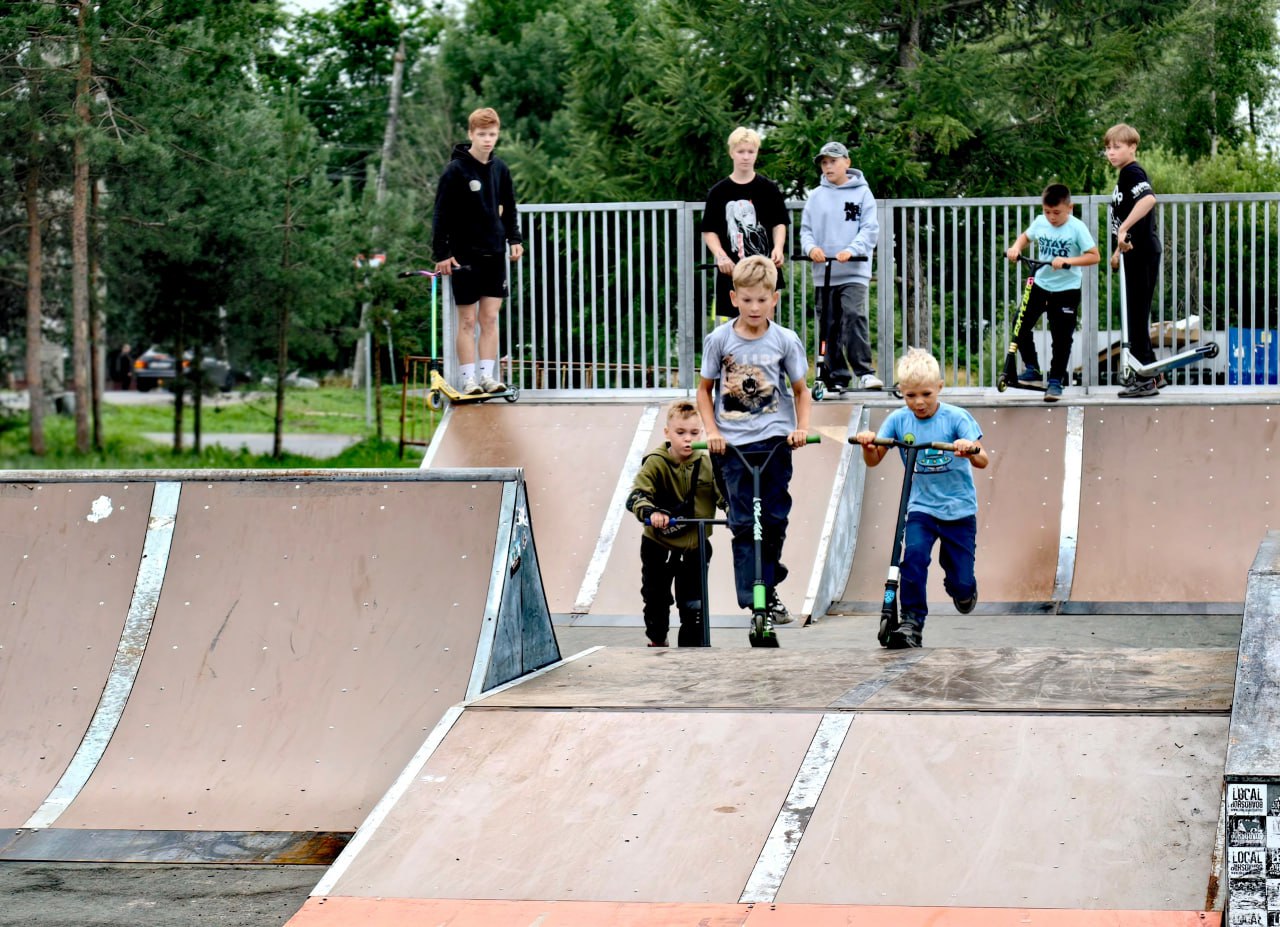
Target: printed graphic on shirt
{"points": [[1050, 247], [745, 390], [929, 460], [746, 235], [852, 212]]}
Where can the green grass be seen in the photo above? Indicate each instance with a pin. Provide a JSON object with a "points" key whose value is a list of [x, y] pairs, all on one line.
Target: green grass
{"points": [[334, 411]]}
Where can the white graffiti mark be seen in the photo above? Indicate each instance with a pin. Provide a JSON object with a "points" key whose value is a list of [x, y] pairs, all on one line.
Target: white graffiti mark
{"points": [[100, 509]]}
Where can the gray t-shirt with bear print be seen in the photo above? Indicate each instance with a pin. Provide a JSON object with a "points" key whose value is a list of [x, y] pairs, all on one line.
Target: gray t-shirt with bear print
{"points": [[753, 398]]}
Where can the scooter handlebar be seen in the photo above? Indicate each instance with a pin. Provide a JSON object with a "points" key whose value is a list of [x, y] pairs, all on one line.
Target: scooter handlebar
{"points": [[804, 257], [1033, 262], [894, 442], [677, 520], [702, 445]]}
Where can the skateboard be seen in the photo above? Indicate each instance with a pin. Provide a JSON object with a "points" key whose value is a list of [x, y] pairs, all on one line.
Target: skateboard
{"points": [[441, 390]]}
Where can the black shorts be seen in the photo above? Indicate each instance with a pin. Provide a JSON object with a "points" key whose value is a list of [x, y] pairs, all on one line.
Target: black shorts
{"points": [[484, 275]]}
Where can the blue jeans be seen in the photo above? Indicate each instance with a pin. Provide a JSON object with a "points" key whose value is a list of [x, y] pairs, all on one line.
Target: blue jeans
{"points": [[959, 544], [775, 509]]}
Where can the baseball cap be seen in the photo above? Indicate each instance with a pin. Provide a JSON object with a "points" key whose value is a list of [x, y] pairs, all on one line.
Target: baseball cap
{"points": [[831, 150]]}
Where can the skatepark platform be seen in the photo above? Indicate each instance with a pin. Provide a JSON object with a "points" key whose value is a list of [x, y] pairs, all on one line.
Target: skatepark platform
{"points": [[1091, 747]]}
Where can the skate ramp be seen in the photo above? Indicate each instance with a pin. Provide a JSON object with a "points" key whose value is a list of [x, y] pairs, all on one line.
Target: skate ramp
{"points": [[1099, 507], [1088, 781], [192, 662], [580, 458]]}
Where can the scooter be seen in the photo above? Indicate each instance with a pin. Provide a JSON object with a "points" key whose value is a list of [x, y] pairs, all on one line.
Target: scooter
{"points": [[889, 621], [440, 388], [703, 608], [1131, 371], [762, 633], [1009, 375], [822, 373]]}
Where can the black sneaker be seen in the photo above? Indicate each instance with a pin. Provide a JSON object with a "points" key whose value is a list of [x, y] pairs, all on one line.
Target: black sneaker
{"points": [[908, 635], [964, 606], [1030, 375], [1138, 389]]}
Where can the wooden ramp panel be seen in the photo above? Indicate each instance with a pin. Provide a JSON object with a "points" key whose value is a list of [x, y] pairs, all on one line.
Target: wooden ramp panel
{"points": [[302, 649], [811, 485], [412, 912], [572, 455], [1174, 499], [1029, 679], [69, 579], [1019, 511]]}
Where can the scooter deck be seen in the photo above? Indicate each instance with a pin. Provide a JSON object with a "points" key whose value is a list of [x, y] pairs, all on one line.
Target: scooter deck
{"points": [[441, 386]]}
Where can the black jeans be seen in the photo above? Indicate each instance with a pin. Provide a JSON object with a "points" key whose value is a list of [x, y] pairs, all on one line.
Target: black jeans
{"points": [[1141, 269], [660, 569], [775, 509], [843, 325], [1061, 308]]}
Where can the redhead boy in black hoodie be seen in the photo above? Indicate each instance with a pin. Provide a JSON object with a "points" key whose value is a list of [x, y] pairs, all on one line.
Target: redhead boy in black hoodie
{"points": [[475, 223]]}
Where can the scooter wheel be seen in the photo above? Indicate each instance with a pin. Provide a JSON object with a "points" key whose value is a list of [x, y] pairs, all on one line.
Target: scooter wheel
{"points": [[435, 399], [818, 390], [761, 634], [512, 395], [1002, 384]]}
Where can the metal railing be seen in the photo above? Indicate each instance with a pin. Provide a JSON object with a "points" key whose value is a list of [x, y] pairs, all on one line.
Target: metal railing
{"points": [[609, 296]]}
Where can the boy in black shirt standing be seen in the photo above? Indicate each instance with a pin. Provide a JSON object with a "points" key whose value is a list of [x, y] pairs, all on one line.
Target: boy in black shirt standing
{"points": [[1134, 234], [745, 215], [475, 231]]}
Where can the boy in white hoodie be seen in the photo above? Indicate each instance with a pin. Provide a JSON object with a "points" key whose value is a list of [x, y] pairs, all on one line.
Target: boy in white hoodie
{"points": [[839, 222]]}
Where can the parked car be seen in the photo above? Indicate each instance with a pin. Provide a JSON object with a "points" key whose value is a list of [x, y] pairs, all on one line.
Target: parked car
{"points": [[154, 367]]}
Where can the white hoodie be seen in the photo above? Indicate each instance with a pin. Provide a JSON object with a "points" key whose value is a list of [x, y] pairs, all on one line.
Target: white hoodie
{"points": [[839, 219]]}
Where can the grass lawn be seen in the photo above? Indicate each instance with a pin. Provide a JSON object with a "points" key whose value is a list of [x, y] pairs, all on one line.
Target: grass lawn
{"points": [[327, 411]]}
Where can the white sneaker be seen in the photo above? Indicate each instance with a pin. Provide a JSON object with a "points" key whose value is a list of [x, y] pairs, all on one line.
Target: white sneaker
{"points": [[490, 385], [777, 611], [870, 381], [470, 387]]}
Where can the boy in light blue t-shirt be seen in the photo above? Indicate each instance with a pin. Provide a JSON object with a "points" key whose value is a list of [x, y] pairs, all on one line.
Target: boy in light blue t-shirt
{"points": [[1063, 239], [944, 504]]}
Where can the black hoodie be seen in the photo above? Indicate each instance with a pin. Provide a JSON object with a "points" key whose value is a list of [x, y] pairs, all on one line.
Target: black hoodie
{"points": [[475, 208]]}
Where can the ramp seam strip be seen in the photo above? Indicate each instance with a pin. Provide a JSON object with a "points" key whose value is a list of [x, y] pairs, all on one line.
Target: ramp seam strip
{"points": [[1069, 521], [129, 652], [613, 517], [788, 828]]}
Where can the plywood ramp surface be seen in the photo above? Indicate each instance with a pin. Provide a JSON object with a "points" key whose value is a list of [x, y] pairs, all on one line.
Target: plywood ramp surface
{"points": [[1174, 499], [814, 472], [70, 568], [596, 806], [572, 455], [308, 636], [412, 912], [1019, 510], [1031, 679], [1056, 811]]}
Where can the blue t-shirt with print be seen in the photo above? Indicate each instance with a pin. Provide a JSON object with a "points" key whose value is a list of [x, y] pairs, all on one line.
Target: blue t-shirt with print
{"points": [[1071, 239], [753, 398], [943, 483]]}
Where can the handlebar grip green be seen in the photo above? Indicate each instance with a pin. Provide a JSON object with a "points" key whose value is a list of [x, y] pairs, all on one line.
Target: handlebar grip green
{"points": [[702, 445]]}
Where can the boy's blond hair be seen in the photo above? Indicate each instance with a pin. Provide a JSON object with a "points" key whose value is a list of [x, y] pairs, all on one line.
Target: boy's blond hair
{"points": [[682, 408], [756, 270], [483, 118], [918, 368], [742, 135], [1122, 134]]}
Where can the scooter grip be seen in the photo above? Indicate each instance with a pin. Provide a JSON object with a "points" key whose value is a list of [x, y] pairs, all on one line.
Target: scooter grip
{"points": [[702, 445]]}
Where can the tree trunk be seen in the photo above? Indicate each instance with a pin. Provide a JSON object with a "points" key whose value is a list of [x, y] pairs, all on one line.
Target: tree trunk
{"points": [[35, 304], [80, 233], [97, 350]]}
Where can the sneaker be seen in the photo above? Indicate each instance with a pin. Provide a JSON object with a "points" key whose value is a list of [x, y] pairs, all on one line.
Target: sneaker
{"points": [[1053, 391], [470, 387], [870, 381], [908, 636], [658, 644], [965, 606], [1161, 382], [1030, 375], [490, 385], [1139, 388], [777, 611]]}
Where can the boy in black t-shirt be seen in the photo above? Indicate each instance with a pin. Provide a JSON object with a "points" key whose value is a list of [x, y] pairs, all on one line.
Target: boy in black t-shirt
{"points": [[1134, 235], [745, 215]]}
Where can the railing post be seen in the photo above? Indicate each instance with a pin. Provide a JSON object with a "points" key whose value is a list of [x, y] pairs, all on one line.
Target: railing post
{"points": [[886, 322], [686, 324], [1090, 308]]}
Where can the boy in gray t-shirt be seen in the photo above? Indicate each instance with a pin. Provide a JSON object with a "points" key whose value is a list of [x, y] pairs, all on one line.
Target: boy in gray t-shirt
{"points": [[753, 395]]}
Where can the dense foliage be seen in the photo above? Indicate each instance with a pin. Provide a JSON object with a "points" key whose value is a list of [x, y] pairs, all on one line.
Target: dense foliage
{"points": [[238, 158]]}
